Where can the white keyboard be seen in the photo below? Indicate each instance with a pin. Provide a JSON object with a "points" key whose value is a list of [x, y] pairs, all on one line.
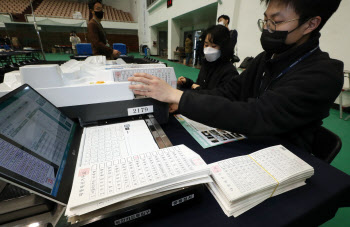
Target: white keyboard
{"points": [[104, 143]]}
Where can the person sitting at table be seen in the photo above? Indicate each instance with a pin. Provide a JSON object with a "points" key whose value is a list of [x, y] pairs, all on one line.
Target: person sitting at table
{"points": [[96, 34], [286, 91], [217, 68]]}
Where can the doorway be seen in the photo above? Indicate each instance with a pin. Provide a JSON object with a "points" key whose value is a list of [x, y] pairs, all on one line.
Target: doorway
{"points": [[163, 43]]}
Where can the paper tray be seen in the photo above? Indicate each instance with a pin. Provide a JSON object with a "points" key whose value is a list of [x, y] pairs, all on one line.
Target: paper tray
{"points": [[141, 209]]}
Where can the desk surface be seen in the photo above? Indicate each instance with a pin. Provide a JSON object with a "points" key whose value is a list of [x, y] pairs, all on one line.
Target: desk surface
{"points": [[20, 52], [309, 205]]}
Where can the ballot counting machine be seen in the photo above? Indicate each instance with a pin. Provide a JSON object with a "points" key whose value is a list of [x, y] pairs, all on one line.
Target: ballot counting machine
{"points": [[94, 92]]}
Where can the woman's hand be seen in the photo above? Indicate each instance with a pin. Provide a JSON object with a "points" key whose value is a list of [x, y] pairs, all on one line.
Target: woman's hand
{"points": [[194, 86], [116, 53], [154, 87], [173, 107], [181, 80]]}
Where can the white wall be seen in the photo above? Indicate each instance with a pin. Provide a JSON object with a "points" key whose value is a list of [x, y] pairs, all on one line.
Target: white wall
{"points": [[229, 8], [130, 6], [160, 13], [246, 18], [119, 4], [335, 37], [134, 9], [144, 30]]}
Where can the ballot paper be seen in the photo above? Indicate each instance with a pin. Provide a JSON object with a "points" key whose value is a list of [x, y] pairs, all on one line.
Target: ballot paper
{"points": [[240, 183], [207, 136], [99, 185], [166, 74]]}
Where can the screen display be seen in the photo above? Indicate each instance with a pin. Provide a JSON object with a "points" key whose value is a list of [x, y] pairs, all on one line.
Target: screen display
{"points": [[35, 138]]}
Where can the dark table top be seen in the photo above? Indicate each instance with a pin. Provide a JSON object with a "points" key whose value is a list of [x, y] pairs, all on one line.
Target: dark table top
{"points": [[20, 52], [309, 205]]}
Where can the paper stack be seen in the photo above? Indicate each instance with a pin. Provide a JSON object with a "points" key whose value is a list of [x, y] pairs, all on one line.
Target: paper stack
{"points": [[240, 183], [97, 186]]}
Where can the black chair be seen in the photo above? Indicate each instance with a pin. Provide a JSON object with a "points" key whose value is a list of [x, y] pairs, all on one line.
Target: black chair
{"points": [[326, 144]]}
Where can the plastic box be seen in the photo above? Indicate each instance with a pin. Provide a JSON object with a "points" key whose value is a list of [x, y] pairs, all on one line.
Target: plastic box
{"points": [[121, 47], [84, 49]]}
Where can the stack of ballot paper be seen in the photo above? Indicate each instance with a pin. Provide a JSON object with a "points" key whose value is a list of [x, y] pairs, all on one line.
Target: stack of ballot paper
{"points": [[103, 184], [240, 183]]}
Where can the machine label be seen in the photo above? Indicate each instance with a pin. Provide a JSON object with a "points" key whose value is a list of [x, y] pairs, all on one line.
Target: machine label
{"points": [[140, 110]]}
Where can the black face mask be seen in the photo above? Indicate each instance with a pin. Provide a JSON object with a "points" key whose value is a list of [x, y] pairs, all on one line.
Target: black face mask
{"points": [[99, 14], [275, 43]]}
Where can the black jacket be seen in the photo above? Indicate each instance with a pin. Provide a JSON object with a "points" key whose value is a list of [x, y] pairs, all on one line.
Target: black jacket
{"points": [[213, 74], [292, 107]]}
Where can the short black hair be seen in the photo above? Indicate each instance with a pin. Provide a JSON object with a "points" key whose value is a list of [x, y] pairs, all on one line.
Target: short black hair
{"points": [[189, 36], [220, 36], [225, 17], [307, 9], [92, 3]]}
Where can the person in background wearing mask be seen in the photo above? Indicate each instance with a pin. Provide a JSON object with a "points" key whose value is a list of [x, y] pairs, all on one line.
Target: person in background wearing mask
{"points": [[286, 91], [96, 34], [188, 48], [216, 69], [225, 21], [74, 39]]}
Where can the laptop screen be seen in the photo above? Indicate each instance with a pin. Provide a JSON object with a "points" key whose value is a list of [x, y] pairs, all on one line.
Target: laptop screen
{"points": [[35, 138]]}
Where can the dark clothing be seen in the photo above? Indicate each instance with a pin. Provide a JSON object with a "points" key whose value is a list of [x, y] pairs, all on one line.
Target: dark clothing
{"points": [[292, 107], [233, 36], [213, 74], [97, 38], [199, 52], [7, 41]]}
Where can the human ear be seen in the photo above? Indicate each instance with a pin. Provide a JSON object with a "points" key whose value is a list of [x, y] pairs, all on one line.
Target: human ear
{"points": [[312, 24]]}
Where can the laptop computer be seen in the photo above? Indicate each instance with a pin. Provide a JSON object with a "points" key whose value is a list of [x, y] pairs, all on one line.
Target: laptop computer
{"points": [[39, 144]]}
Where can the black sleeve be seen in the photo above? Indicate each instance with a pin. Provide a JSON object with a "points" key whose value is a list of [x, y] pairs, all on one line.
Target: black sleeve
{"points": [[228, 74], [223, 77], [230, 88], [188, 83], [302, 99]]}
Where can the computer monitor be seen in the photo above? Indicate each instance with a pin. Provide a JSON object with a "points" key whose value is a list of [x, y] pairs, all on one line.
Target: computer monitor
{"points": [[35, 143]]}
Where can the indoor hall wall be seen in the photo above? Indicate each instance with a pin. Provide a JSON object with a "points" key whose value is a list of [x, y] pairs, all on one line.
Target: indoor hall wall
{"points": [[162, 13], [159, 14], [119, 4], [130, 6], [245, 19], [335, 36]]}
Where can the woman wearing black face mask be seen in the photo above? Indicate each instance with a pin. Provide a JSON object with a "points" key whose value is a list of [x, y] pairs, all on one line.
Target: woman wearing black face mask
{"points": [[96, 34]]}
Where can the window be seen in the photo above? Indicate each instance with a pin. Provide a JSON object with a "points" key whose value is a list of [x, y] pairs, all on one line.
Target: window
{"points": [[150, 2]]}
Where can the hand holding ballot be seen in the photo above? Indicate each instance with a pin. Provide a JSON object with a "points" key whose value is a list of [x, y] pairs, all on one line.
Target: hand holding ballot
{"points": [[154, 87]]}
